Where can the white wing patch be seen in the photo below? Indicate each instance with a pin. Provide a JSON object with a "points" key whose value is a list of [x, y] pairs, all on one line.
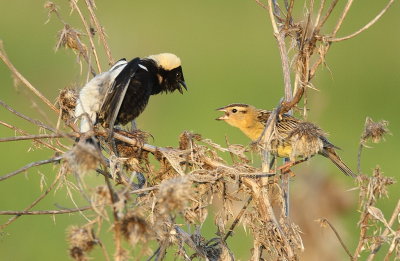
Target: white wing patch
{"points": [[143, 67], [92, 94]]}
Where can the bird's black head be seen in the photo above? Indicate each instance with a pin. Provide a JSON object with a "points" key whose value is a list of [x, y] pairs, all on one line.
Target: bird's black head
{"points": [[170, 74]]}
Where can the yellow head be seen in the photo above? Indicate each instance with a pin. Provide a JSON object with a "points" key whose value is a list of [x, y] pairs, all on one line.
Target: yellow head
{"points": [[244, 117]]}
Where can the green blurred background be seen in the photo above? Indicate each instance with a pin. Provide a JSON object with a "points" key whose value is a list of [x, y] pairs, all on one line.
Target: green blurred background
{"points": [[229, 55]]}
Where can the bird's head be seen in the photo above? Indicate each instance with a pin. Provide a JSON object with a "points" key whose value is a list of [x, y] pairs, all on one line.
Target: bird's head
{"points": [[238, 115], [170, 74]]}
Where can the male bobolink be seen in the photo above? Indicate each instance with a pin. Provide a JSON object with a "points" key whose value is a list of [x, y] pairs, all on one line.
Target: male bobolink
{"points": [[295, 138], [121, 94]]}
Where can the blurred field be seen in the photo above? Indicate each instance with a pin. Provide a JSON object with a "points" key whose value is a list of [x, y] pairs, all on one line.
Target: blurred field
{"points": [[229, 55]]}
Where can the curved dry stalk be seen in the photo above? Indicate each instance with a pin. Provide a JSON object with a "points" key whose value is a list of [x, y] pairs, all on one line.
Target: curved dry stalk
{"points": [[45, 212], [87, 28], [325, 18], [36, 122], [28, 166], [368, 25], [326, 221], [343, 16], [19, 76], [100, 30]]}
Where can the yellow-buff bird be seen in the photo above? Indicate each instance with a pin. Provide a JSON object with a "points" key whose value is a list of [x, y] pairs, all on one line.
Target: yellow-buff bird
{"points": [[293, 137]]}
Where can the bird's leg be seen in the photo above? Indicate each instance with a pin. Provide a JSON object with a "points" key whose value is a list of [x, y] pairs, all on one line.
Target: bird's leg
{"points": [[133, 126], [285, 168], [272, 162]]}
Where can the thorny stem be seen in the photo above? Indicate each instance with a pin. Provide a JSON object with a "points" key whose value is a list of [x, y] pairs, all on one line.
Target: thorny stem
{"points": [[28, 166], [35, 202], [237, 219], [117, 224], [85, 24], [266, 211], [45, 212], [19, 76], [324, 220], [100, 30]]}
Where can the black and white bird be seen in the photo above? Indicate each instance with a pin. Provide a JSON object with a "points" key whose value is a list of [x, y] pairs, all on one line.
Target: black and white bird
{"points": [[120, 95]]}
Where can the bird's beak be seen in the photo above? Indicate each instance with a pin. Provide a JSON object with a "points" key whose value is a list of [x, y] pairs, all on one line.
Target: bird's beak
{"points": [[184, 86], [224, 117]]}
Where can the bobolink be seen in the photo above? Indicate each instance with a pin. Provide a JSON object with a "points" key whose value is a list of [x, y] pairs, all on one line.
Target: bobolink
{"points": [[121, 94], [294, 138]]}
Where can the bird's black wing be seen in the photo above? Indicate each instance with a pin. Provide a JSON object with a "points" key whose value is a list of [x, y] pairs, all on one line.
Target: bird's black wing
{"points": [[115, 95]]}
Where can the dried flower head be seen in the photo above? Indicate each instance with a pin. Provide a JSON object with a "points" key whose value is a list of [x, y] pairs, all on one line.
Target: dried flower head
{"points": [[186, 139], [83, 157], [81, 241], [77, 254], [173, 194], [306, 139], [134, 228], [66, 101], [71, 38], [374, 130]]}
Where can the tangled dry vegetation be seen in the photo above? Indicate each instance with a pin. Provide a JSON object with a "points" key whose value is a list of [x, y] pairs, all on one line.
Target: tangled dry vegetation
{"points": [[157, 199]]}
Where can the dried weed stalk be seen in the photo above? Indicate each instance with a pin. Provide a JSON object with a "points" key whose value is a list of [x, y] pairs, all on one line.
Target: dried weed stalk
{"points": [[163, 196]]}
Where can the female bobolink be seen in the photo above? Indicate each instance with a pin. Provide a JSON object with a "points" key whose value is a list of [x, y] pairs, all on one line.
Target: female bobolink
{"points": [[294, 138], [119, 95]]}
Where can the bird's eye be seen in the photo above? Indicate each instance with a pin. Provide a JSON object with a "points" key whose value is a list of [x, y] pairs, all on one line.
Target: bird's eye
{"points": [[178, 74], [234, 110]]}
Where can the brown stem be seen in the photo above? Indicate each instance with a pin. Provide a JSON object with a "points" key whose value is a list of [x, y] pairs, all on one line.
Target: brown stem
{"points": [[18, 75], [87, 28], [324, 220], [36, 122], [41, 136], [237, 219], [26, 133], [44, 212], [368, 25], [100, 30], [30, 165]]}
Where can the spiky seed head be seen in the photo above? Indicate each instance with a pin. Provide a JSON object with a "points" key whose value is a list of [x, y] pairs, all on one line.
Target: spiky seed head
{"points": [[83, 157], [66, 101], [173, 194], [135, 228], [81, 241], [374, 130], [167, 61]]}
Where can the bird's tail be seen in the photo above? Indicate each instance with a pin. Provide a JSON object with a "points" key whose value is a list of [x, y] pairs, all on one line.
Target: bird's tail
{"points": [[331, 154]]}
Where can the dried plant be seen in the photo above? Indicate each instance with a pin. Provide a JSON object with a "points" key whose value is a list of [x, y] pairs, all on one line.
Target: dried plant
{"points": [[156, 196]]}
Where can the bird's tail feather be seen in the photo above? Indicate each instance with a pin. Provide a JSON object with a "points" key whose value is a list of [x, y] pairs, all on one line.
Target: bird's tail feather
{"points": [[331, 154]]}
